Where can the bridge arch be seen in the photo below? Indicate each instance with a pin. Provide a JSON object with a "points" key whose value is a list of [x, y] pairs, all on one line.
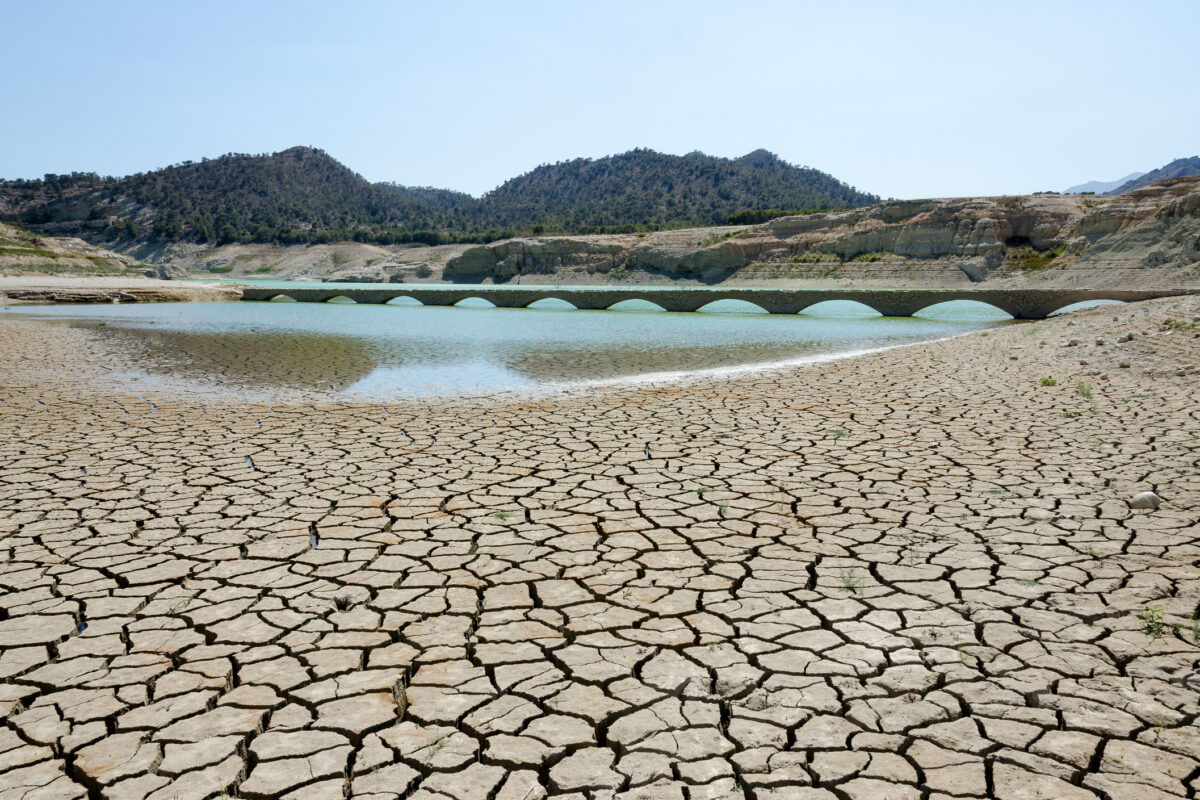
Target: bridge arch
{"points": [[552, 304], [731, 306], [636, 305], [474, 301], [840, 308], [964, 309], [341, 299], [282, 298], [404, 300], [1084, 305]]}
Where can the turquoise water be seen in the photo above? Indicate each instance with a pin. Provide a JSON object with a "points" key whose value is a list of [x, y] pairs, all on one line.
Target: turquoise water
{"points": [[390, 351]]}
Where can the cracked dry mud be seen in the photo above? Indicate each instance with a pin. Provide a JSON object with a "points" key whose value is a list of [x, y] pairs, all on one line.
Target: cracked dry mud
{"points": [[907, 575]]}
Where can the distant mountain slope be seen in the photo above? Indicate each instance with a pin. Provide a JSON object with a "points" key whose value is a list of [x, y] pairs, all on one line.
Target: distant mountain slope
{"points": [[445, 199], [296, 190], [1179, 168], [302, 195], [298, 195], [1101, 187], [648, 188]]}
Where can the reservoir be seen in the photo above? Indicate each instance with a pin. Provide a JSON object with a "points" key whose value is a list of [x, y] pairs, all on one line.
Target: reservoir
{"points": [[392, 351]]}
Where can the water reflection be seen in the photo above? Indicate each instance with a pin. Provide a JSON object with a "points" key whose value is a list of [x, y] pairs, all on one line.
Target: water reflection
{"points": [[388, 350], [245, 359]]}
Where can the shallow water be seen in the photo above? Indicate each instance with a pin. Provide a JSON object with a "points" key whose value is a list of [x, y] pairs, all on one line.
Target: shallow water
{"points": [[388, 351]]}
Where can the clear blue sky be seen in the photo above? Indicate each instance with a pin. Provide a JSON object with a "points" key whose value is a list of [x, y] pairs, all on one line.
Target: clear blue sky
{"points": [[904, 99]]}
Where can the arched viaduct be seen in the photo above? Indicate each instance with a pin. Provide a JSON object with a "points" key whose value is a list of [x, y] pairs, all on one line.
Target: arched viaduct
{"points": [[1020, 303]]}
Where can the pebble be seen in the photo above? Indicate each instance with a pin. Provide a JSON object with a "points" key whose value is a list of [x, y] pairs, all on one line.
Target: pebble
{"points": [[1145, 500]]}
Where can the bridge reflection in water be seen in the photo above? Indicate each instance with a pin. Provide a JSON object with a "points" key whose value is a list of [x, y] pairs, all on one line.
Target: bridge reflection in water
{"points": [[1020, 303]]}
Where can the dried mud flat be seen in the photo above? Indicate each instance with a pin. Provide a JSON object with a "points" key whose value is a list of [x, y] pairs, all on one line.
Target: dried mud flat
{"points": [[909, 575]]}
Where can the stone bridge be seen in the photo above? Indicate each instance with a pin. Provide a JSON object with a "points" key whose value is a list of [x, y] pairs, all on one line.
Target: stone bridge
{"points": [[1020, 303]]}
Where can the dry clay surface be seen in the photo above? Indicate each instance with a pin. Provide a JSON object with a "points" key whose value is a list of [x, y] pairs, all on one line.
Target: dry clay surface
{"points": [[909, 575]]}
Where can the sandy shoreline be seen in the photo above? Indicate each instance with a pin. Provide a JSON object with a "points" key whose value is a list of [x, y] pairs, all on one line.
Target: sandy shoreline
{"points": [[47, 289], [915, 570]]}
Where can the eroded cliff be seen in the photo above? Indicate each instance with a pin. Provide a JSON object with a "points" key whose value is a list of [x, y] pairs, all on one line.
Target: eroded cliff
{"points": [[1148, 237]]}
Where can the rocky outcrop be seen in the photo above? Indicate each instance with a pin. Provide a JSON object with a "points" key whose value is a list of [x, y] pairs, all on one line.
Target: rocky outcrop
{"points": [[504, 260], [169, 293], [1152, 234], [24, 252]]}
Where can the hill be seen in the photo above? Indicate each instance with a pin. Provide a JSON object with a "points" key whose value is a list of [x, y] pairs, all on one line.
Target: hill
{"points": [[299, 195], [1179, 168], [643, 187], [304, 196], [1101, 187], [445, 199]]}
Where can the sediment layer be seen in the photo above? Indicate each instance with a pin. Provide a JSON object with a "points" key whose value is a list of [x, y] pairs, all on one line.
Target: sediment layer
{"points": [[48, 289], [913, 574], [1146, 238]]}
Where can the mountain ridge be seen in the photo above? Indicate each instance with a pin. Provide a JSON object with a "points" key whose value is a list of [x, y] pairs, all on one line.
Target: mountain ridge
{"points": [[1102, 187], [303, 195], [1179, 168]]}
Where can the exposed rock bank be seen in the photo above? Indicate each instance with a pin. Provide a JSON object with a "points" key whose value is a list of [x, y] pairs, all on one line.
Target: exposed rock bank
{"points": [[36, 289], [1150, 237]]}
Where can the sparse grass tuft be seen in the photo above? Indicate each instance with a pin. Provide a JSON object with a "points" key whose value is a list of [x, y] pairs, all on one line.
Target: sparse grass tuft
{"points": [[718, 237], [1152, 621], [849, 579], [816, 257], [1029, 259]]}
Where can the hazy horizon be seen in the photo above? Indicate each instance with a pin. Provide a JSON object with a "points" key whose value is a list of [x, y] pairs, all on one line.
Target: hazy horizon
{"points": [[924, 100]]}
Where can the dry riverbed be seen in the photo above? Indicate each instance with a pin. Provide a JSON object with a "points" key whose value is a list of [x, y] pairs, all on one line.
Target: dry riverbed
{"points": [[913, 574]]}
